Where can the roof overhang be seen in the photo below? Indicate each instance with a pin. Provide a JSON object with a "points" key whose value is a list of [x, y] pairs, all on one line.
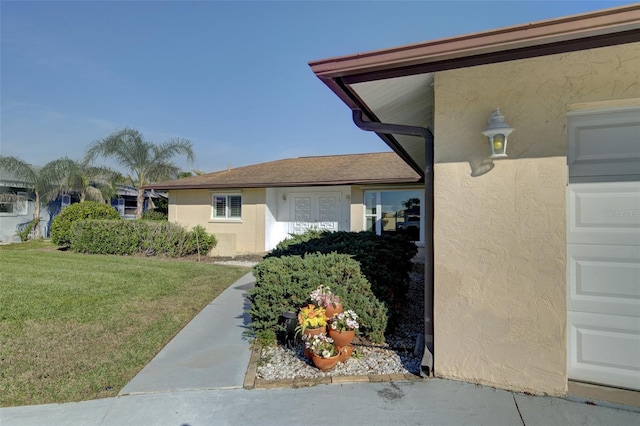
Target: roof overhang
{"points": [[395, 85], [241, 185]]}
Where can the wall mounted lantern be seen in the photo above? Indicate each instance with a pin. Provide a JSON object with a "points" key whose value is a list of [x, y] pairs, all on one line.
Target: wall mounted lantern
{"points": [[497, 132]]}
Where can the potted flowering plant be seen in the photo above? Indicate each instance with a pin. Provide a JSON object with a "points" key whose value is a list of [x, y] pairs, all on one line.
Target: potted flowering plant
{"points": [[321, 345], [345, 321], [343, 327], [324, 353], [325, 298], [311, 317]]}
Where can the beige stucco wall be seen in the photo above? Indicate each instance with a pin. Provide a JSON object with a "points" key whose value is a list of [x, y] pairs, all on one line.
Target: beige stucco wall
{"points": [[357, 209], [500, 264], [193, 207]]}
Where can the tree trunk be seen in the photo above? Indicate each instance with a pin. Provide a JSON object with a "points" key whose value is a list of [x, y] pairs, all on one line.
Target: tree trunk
{"points": [[139, 203], [36, 215]]}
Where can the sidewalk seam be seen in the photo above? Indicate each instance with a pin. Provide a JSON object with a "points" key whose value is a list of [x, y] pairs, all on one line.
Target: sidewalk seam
{"points": [[513, 395]]}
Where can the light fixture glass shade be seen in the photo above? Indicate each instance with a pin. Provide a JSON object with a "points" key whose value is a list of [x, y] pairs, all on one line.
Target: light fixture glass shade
{"points": [[497, 133]]}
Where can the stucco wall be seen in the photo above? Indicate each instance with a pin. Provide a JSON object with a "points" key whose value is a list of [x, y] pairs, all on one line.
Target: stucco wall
{"points": [[279, 219], [357, 209], [193, 207], [500, 263], [9, 223]]}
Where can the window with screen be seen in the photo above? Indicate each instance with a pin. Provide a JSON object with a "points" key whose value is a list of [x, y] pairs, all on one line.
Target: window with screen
{"points": [[227, 206]]}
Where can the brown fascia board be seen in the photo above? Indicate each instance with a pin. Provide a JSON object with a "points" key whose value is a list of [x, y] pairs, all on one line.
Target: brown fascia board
{"points": [[578, 32], [287, 184]]}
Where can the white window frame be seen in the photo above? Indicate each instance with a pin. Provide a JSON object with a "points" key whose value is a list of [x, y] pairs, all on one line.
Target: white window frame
{"points": [[65, 201], [227, 215], [20, 205], [118, 204], [377, 216]]}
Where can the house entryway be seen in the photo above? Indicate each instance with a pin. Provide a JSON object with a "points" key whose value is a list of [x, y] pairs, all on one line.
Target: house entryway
{"points": [[603, 247], [315, 211]]}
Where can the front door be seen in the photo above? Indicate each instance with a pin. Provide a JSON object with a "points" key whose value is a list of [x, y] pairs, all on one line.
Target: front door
{"points": [[315, 211]]}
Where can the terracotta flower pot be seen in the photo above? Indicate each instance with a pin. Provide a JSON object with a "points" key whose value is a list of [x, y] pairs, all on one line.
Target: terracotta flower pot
{"points": [[330, 311], [307, 352], [345, 353], [325, 364], [342, 338], [315, 331]]}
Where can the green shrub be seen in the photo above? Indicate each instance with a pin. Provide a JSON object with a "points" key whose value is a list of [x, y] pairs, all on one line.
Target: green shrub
{"points": [[285, 284], [295, 239], [24, 234], [145, 237], [200, 240], [154, 215], [105, 237], [61, 224], [385, 259]]}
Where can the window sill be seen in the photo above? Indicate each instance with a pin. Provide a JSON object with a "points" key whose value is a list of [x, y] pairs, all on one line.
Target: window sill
{"points": [[225, 220]]}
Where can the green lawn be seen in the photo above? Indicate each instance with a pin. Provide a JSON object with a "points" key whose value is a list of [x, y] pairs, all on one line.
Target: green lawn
{"points": [[76, 327]]}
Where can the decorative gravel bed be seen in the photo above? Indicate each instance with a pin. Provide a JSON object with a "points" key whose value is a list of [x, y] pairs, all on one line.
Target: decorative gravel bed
{"points": [[395, 357]]}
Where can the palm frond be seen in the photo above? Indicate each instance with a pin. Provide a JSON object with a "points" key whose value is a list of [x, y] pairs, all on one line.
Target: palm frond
{"points": [[144, 161], [19, 169]]}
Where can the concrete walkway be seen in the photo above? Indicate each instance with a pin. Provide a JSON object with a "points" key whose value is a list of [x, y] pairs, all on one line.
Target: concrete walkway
{"points": [[197, 380], [211, 352]]}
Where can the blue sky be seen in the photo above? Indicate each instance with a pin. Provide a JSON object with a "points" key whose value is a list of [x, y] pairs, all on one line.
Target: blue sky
{"points": [[232, 77]]}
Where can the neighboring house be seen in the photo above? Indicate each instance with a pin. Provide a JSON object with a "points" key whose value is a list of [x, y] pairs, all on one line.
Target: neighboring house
{"points": [[536, 256], [16, 208], [126, 201], [251, 209]]}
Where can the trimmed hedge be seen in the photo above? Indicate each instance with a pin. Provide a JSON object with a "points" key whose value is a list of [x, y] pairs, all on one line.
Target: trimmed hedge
{"points": [[62, 223], [150, 238], [154, 215], [385, 259], [285, 284]]}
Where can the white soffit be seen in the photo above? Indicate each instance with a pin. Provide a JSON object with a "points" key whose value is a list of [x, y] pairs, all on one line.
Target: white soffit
{"points": [[402, 100]]}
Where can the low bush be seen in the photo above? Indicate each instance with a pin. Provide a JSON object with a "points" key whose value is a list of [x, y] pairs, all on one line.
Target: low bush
{"points": [[385, 259], [145, 237], [154, 215], [25, 233], [285, 284], [62, 223]]}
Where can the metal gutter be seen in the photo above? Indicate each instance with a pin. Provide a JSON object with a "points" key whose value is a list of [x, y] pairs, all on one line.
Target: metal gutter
{"points": [[284, 184], [579, 32], [590, 30], [386, 128]]}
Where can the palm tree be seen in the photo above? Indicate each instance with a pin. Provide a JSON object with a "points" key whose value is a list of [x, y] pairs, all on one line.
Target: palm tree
{"points": [[39, 180], [145, 161], [93, 183], [187, 173], [410, 203]]}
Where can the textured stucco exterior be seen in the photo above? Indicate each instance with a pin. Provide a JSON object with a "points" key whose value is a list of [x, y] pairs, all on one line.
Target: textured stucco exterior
{"points": [[193, 207], [500, 239], [267, 214], [357, 209]]}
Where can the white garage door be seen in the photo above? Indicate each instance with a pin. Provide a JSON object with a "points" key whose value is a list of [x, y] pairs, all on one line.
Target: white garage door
{"points": [[603, 247]]}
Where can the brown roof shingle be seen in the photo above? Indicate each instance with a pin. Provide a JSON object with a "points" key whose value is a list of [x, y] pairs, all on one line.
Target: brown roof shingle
{"points": [[374, 168]]}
